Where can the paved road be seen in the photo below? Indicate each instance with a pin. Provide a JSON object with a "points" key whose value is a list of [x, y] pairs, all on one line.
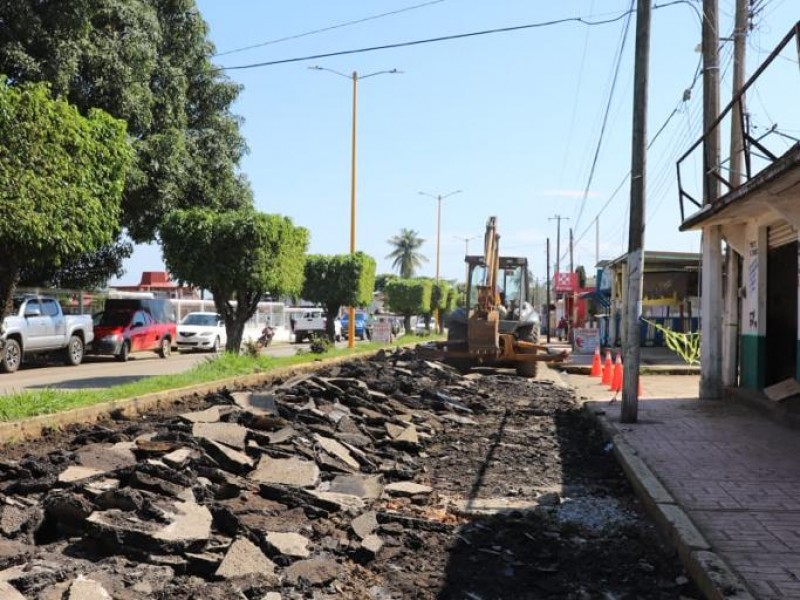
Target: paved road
{"points": [[102, 372]]}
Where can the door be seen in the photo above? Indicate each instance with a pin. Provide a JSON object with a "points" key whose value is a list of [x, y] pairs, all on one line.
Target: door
{"points": [[139, 331], [35, 326], [781, 339], [54, 324]]}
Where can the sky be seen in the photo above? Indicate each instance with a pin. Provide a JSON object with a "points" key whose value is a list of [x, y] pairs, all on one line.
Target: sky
{"points": [[511, 121]]}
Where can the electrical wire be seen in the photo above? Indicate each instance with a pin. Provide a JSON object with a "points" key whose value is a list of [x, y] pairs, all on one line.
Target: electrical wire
{"points": [[329, 28], [620, 51], [444, 38]]}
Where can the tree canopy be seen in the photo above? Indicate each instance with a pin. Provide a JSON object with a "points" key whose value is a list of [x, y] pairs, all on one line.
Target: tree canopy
{"points": [[146, 62], [409, 297], [240, 256], [339, 280], [62, 177], [405, 256]]}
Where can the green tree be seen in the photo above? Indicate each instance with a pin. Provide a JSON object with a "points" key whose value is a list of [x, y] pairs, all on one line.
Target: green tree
{"points": [[382, 279], [405, 256], [339, 280], [61, 182], [89, 270], [439, 300], [146, 62], [240, 256], [409, 297]]}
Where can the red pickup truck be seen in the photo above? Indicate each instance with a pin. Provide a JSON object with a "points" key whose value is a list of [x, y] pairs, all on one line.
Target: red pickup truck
{"points": [[127, 327]]}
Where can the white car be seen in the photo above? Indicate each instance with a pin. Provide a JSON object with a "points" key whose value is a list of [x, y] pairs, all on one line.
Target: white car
{"points": [[202, 331]]}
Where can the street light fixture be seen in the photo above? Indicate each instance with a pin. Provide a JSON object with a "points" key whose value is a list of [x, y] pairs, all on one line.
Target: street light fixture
{"points": [[438, 198], [355, 77], [466, 241]]}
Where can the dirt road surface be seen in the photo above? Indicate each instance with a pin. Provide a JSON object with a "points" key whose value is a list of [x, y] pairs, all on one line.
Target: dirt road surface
{"points": [[380, 479]]}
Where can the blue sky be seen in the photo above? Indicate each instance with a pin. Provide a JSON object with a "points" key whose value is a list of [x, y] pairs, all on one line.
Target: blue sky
{"points": [[511, 119]]}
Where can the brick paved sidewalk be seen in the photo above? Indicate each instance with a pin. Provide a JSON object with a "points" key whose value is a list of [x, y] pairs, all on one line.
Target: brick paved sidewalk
{"points": [[732, 470]]}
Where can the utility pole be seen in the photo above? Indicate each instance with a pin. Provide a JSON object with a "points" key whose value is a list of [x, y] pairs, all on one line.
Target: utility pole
{"points": [[558, 218], [573, 317], [731, 328], [633, 300], [597, 241], [711, 287], [547, 312]]}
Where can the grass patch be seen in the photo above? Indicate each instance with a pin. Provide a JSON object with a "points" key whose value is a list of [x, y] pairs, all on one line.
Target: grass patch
{"points": [[22, 405]]}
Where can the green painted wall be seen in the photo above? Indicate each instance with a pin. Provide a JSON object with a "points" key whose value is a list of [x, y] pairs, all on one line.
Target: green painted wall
{"points": [[753, 367]]}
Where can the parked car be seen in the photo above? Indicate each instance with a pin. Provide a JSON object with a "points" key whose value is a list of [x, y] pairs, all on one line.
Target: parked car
{"points": [[202, 331], [37, 325], [361, 328], [122, 331], [420, 328], [313, 322]]}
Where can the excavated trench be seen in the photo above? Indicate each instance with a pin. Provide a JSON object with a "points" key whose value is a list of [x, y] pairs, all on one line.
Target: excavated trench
{"points": [[393, 477]]}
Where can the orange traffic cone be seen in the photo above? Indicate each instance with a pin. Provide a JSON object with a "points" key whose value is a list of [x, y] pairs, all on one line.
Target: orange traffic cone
{"points": [[597, 370], [608, 369], [616, 381]]}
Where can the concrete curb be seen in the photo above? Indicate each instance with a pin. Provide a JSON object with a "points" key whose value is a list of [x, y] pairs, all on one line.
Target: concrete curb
{"points": [[34, 427], [711, 574], [643, 370]]}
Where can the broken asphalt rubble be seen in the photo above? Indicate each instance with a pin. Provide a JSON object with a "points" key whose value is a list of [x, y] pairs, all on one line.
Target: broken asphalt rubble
{"points": [[290, 490]]}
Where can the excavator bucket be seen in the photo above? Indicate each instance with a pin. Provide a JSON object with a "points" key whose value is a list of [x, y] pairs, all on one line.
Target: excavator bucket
{"points": [[483, 334]]}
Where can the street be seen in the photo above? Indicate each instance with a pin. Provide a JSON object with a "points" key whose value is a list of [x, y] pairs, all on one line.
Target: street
{"points": [[105, 371]]}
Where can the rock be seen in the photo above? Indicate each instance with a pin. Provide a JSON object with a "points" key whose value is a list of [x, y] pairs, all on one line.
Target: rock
{"points": [[342, 502], [123, 499], [408, 436], [12, 553], [371, 545], [77, 473], [189, 528], [227, 458], [363, 486], [107, 457], [459, 419], [190, 522], [407, 488], [230, 434], [256, 403], [68, 509], [288, 544], [15, 519], [286, 471], [272, 596], [335, 449], [145, 481], [210, 415], [393, 430], [363, 525], [281, 436], [316, 571], [177, 459], [9, 592], [244, 558], [100, 486], [87, 589], [549, 499]]}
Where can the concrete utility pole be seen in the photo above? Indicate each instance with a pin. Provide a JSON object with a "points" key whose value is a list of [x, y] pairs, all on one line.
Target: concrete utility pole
{"points": [[730, 357], [558, 218], [633, 299], [547, 312], [711, 288]]}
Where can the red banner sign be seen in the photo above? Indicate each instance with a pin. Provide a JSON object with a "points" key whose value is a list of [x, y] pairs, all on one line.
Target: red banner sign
{"points": [[565, 282]]}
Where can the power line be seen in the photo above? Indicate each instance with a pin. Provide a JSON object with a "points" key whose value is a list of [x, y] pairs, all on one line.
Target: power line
{"points": [[445, 38], [621, 49], [329, 28]]}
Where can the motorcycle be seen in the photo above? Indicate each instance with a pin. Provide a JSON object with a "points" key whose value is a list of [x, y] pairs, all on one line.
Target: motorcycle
{"points": [[266, 337]]}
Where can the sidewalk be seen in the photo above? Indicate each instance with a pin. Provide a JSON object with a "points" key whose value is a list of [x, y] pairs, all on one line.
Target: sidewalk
{"points": [[721, 478]]}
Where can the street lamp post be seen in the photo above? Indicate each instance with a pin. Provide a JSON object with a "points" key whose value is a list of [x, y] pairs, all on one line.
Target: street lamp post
{"points": [[355, 77], [466, 241], [438, 198]]}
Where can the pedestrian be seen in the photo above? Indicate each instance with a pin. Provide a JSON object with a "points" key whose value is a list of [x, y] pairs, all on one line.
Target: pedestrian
{"points": [[562, 329]]}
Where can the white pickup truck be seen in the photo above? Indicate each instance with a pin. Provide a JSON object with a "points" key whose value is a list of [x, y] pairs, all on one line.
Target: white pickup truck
{"points": [[37, 325]]}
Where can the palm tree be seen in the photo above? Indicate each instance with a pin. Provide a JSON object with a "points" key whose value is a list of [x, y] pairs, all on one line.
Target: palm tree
{"points": [[406, 258]]}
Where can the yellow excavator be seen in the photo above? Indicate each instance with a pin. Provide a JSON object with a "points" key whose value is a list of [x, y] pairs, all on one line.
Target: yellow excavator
{"points": [[498, 326]]}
